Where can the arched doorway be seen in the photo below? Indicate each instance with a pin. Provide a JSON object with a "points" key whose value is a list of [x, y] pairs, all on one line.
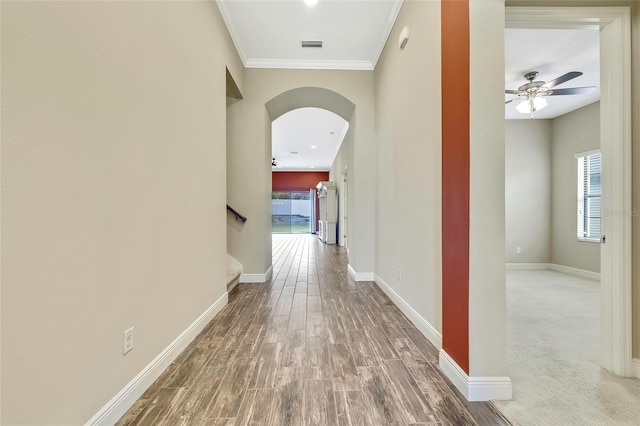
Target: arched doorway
{"points": [[304, 145], [321, 98]]}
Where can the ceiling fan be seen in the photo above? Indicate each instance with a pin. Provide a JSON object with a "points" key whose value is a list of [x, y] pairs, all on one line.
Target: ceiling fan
{"points": [[276, 163], [533, 93]]}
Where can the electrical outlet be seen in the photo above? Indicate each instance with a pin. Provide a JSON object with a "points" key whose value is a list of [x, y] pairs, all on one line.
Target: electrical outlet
{"points": [[399, 274], [518, 250], [127, 341]]}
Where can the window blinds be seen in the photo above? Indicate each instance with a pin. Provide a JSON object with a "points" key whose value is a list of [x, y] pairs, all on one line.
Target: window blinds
{"points": [[589, 196]]}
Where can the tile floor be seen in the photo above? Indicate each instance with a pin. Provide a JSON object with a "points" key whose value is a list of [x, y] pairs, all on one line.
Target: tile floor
{"points": [[311, 347]]}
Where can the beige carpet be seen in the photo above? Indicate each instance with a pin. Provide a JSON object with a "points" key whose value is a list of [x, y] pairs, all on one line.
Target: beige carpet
{"points": [[554, 339]]}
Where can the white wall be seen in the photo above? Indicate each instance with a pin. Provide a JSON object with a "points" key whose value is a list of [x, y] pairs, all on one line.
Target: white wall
{"points": [[578, 131], [528, 191], [113, 193]]}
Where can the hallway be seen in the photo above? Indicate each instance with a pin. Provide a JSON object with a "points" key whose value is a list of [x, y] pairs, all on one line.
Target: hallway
{"points": [[310, 347]]}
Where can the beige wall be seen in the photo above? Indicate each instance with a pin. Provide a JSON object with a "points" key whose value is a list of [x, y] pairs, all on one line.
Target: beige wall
{"points": [[541, 189], [113, 185], [487, 294], [250, 150], [408, 186], [635, 66], [343, 160], [572, 133], [408, 191], [249, 184], [528, 191], [113, 193]]}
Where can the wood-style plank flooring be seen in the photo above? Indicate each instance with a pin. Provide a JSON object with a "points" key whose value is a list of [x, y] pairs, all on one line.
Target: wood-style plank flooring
{"points": [[311, 347]]}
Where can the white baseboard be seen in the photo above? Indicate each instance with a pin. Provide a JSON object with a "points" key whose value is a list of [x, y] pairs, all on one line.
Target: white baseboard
{"points": [[360, 276], [269, 273], [119, 404], [575, 271], [257, 278], [636, 367], [421, 324], [475, 388], [232, 263], [553, 267], [528, 266]]}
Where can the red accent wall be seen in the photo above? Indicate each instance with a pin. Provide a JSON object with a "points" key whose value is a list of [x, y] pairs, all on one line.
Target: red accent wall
{"points": [[298, 181], [455, 180]]}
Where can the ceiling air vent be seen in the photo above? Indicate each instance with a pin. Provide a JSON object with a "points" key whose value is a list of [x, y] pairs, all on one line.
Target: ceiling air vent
{"points": [[311, 43]]}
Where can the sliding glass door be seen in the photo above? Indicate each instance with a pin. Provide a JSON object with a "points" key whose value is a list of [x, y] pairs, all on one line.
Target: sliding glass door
{"points": [[291, 212]]}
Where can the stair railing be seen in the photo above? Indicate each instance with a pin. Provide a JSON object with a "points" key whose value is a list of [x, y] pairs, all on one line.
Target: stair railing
{"points": [[233, 212]]}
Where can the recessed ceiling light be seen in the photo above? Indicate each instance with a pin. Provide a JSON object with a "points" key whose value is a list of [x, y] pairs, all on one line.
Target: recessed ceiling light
{"points": [[311, 2], [313, 147], [312, 167]]}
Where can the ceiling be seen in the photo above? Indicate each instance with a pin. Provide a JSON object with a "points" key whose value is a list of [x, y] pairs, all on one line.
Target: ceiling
{"points": [[353, 35], [307, 138], [552, 53], [267, 34]]}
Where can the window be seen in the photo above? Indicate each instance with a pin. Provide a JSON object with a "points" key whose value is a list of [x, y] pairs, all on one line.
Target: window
{"points": [[291, 212], [589, 193]]}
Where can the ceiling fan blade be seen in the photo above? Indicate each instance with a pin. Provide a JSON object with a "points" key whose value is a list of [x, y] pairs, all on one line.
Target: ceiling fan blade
{"points": [[512, 92], [573, 91], [511, 100], [563, 79]]}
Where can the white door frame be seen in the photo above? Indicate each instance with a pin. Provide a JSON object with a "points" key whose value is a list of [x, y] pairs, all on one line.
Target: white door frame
{"points": [[345, 206], [614, 24]]}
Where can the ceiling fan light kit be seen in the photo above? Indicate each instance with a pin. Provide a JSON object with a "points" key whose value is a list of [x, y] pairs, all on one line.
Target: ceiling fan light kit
{"points": [[528, 106], [533, 93]]}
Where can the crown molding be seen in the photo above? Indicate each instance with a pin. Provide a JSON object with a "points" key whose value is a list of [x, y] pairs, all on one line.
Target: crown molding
{"points": [[233, 32], [397, 5], [542, 17], [364, 65], [308, 64]]}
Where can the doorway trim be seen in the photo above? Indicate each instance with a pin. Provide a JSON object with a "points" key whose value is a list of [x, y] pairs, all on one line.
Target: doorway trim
{"points": [[345, 206], [614, 24]]}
